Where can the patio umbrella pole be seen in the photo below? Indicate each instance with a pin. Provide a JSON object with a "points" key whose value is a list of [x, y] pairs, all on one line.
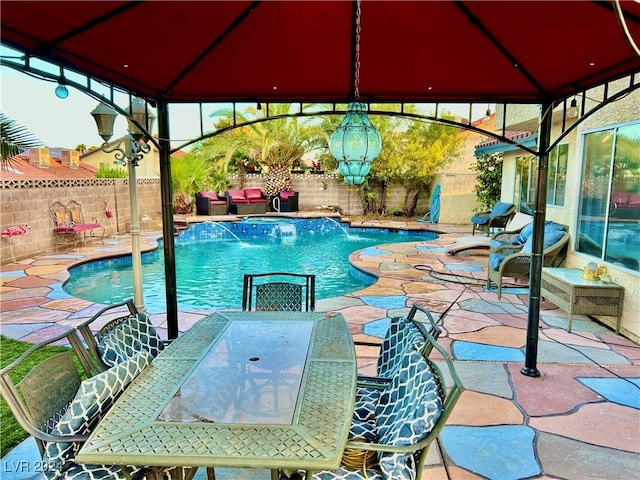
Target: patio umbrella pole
{"points": [[535, 274]]}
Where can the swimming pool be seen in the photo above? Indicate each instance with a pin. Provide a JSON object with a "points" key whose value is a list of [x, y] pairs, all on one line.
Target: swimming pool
{"points": [[211, 259]]}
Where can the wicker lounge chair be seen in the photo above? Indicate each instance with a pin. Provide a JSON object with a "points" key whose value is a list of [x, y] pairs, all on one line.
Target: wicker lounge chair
{"points": [[515, 225]]}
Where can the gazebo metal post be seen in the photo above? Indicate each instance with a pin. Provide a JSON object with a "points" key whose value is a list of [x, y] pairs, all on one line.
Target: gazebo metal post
{"points": [[535, 274], [167, 219]]}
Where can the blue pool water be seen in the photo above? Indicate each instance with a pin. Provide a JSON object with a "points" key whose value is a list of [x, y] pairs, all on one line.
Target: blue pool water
{"points": [[211, 259]]}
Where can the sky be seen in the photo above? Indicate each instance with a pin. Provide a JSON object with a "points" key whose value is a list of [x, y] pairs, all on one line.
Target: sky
{"points": [[68, 123]]}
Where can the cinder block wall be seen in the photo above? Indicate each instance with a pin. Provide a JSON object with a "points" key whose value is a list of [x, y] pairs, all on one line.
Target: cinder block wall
{"points": [[29, 201]]}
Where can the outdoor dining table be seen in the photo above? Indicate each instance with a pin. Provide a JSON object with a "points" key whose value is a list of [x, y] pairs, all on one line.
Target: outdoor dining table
{"points": [[269, 390]]}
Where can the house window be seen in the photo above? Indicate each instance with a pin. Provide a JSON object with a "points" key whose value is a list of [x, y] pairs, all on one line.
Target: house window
{"points": [[557, 175], [527, 179], [609, 214]]}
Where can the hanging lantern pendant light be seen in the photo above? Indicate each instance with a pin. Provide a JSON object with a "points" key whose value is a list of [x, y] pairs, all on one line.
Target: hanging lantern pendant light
{"points": [[356, 142]]}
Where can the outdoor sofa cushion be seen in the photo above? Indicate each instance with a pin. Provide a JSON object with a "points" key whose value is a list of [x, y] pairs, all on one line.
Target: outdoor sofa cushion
{"points": [[285, 194], [237, 196], [553, 232], [77, 228], [551, 236], [254, 195], [248, 195]]}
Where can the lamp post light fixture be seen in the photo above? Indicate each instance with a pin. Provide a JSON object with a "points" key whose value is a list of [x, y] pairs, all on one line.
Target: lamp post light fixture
{"points": [[129, 151]]}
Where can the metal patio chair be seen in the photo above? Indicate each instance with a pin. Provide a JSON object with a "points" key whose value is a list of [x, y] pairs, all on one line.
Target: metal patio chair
{"points": [[412, 410], [59, 409], [279, 291], [121, 337]]}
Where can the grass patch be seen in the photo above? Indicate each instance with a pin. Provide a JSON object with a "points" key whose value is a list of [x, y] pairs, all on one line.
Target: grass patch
{"points": [[12, 432]]}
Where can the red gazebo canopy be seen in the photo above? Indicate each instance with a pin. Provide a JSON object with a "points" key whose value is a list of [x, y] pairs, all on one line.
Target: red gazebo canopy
{"points": [[281, 51]]}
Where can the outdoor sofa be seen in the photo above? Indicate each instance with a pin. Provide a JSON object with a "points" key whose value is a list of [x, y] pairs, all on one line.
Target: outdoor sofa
{"points": [[246, 201]]}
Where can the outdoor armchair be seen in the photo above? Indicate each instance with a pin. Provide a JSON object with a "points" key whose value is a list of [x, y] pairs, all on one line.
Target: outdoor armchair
{"points": [[392, 442], [209, 203], [279, 291], [120, 338], [59, 409], [285, 201], [496, 218], [510, 254]]}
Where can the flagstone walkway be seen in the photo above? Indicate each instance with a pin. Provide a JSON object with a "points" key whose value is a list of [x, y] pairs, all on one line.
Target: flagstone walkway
{"points": [[579, 420]]}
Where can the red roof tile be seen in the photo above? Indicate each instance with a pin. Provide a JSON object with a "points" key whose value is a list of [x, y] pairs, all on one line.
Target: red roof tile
{"points": [[20, 169]]}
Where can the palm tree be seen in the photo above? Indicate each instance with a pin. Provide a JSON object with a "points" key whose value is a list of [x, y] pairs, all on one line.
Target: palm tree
{"points": [[188, 175], [273, 144], [14, 139]]}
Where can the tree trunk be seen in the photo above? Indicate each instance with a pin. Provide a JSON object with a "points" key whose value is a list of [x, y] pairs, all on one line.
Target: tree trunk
{"points": [[411, 202], [278, 179]]}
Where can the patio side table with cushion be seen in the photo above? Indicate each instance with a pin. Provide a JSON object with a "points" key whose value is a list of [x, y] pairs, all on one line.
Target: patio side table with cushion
{"points": [[566, 288]]}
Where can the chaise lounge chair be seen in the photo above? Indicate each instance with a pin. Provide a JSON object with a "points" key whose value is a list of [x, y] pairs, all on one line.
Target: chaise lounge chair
{"points": [[515, 225], [496, 218]]}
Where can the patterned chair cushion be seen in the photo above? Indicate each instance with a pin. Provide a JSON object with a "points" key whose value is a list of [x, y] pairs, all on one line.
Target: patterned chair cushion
{"points": [[93, 399], [365, 405], [402, 334], [344, 473], [407, 411], [128, 337]]}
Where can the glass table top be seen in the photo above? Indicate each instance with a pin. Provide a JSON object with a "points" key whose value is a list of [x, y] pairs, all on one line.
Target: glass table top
{"points": [[251, 374]]}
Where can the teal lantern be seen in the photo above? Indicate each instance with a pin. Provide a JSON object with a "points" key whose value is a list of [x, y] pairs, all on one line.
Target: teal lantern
{"points": [[355, 144]]}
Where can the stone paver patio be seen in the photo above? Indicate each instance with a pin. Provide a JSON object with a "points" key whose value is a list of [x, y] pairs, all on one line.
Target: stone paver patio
{"points": [[580, 419]]}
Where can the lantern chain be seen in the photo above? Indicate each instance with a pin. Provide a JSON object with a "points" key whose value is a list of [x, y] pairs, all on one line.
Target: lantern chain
{"points": [[356, 81]]}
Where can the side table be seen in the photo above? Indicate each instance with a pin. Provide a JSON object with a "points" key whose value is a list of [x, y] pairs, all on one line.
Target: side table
{"points": [[566, 288]]}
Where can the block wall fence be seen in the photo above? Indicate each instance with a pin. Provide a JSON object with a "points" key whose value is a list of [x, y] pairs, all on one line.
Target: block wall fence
{"points": [[28, 201]]}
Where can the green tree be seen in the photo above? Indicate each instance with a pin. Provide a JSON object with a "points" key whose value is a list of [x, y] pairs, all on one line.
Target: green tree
{"points": [[104, 172], [422, 152], [488, 169], [412, 154], [14, 139]]}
